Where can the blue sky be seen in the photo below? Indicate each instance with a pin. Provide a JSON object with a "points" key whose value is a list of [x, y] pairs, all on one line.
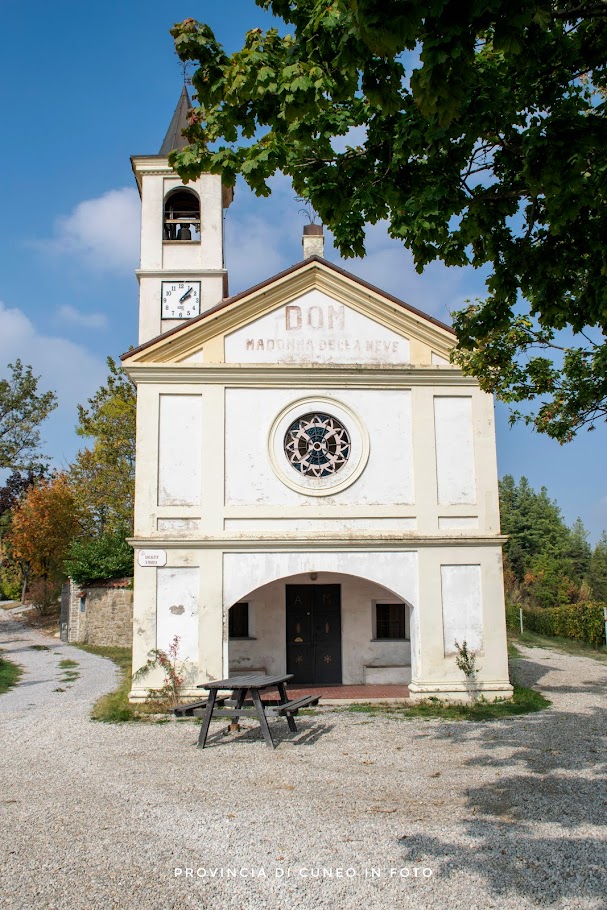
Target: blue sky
{"points": [[84, 87]]}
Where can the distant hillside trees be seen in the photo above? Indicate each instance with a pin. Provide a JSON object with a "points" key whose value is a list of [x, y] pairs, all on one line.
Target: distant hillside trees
{"points": [[547, 563]]}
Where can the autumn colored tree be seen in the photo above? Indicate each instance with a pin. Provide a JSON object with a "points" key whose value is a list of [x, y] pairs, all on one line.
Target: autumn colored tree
{"points": [[11, 492], [44, 523]]}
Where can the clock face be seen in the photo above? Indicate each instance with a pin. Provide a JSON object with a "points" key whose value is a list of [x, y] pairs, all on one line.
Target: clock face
{"points": [[180, 299]]}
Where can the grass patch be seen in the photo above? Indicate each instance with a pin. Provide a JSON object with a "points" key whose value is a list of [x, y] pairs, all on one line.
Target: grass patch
{"points": [[114, 708], [39, 648], [513, 651], [66, 664], [69, 676], [10, 674], [567, 645], [523, 701]]}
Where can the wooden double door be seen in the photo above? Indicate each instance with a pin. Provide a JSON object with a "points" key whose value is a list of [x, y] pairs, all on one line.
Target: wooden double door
{"points": [[314, 633]]}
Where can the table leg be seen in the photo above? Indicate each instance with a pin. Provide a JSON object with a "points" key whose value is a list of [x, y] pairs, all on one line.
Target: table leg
{"points": [[282, 689], [206, 720], [238, 695], [263, 721]]}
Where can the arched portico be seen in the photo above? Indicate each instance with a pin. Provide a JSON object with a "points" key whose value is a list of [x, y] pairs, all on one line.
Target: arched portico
{"points": [[325, 628]]}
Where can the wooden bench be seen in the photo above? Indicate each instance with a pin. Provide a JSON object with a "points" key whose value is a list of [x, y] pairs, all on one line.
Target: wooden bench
{"points": [[195, 708], [292, 707]]}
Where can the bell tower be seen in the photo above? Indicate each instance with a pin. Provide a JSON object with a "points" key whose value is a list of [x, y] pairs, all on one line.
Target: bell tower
{"points": [[182, 271]]}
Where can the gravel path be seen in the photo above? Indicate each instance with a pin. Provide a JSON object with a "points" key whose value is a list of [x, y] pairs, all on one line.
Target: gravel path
{"points": [[388, 813]]}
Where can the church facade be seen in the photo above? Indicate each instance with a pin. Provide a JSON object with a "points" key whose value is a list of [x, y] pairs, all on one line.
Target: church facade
{"points": [[316, 485]]}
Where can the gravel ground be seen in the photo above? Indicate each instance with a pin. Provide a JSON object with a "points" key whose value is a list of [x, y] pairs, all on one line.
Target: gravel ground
{"points": [[353, 811]]}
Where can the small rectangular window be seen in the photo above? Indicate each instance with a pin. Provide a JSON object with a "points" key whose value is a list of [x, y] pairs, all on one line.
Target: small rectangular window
{"points": [[238, 621], [390, 621]]}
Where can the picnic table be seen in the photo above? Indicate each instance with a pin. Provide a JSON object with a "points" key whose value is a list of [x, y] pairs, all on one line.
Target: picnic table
{"points": [[236, 705]]}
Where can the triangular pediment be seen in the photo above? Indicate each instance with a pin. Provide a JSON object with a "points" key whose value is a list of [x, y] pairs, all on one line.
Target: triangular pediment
{"points": [[313, 313]]}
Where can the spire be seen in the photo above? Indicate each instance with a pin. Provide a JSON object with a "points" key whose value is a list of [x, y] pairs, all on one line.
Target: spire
{"points": [[173, 139]]}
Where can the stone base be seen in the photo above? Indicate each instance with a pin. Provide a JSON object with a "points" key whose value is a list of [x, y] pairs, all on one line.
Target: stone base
{"points": [[459, 693], [141, 694]]}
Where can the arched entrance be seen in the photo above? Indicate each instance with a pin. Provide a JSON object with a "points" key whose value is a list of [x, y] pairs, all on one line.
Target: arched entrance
{"points": [[325, 628]]}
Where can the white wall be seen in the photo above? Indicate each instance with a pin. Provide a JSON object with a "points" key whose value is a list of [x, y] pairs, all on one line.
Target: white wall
{"points": [[453, 429], [177, 610], [179, 450], [386, 415]]}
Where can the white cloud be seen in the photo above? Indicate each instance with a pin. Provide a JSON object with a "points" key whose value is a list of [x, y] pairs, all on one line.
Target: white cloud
{"points": [[67, 368], [102, 233], [72, 316]]}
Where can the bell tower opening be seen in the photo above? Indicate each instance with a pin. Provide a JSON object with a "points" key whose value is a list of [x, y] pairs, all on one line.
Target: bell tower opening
{"points": [[181, 215]]}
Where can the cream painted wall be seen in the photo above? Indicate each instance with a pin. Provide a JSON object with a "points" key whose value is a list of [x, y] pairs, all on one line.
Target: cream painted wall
{"points": [[386, 416], [455, 469]]}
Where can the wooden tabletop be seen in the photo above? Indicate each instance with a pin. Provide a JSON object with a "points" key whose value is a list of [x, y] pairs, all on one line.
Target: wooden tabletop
{"points": [[255, 681]]}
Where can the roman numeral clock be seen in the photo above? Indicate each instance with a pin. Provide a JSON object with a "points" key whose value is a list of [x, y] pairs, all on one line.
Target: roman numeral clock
{"points": [[179, 299]]}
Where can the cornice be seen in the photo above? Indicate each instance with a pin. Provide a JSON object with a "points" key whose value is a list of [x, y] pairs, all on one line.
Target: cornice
{"points": [[168, 273], [310, 376], [380, 542]]}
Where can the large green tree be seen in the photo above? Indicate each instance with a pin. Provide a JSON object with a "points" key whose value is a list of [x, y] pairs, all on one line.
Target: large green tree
{"points": [[477, 133], [22, 409]]}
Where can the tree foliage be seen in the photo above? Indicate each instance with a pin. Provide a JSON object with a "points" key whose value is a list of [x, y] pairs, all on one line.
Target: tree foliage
{"points": [[107, 556], [477, 132], [547, 564], [103, 475], [44, 523], [22, 410]]}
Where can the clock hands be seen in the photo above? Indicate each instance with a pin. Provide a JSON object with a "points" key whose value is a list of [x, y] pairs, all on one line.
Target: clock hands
{"points": [[186, 295]]}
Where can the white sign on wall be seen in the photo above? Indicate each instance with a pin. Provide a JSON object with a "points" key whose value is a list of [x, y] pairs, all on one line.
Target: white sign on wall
{"points": [[152, 558]]}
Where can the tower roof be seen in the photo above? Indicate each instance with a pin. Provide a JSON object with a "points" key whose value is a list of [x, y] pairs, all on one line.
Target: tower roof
{"points": [[174, 139]]}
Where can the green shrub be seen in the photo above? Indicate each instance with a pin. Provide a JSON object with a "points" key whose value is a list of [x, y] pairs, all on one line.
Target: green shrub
{"points": [[108, 556], [581, 622]]}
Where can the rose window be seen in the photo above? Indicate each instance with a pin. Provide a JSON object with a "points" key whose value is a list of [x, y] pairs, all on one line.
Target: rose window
{"points": [[317, 445]]}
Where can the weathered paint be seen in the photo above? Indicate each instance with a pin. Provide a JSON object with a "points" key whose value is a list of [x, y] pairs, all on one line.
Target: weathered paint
{"points": [[454, 450], [177, 610], [456, 523], [462, 607], [244, 572], [316, 328], [388, 473], [319, 524], [178, 524], [179, 450]]}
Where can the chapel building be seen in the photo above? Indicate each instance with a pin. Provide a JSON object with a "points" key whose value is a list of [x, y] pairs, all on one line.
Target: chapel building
{"points": [[316, 484]]}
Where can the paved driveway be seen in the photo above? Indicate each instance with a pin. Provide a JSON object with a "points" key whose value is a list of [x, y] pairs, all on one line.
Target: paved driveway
{"points": [[353, 812]]}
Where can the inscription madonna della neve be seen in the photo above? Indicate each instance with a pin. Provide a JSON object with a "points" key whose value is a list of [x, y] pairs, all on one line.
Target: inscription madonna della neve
{"points": [[316, 329]]}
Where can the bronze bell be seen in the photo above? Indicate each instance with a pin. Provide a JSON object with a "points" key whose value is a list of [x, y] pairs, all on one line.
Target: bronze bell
{"points": [[184, 232]]}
